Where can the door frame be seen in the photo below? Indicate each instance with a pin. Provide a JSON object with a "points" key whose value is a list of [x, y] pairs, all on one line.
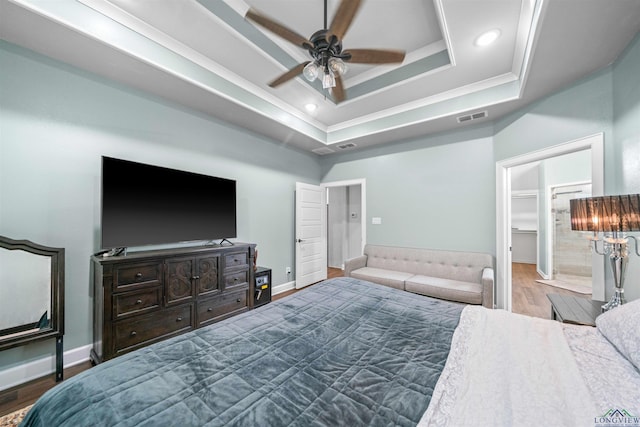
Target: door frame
{"points": [[594, 142], [363, 200]]}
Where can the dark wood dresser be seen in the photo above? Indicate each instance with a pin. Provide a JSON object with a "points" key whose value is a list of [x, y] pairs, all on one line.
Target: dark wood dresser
{"points": [[145, 297]]}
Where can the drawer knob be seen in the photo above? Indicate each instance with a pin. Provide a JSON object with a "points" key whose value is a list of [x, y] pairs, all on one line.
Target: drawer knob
{"points": [[179, 319], [139, 302], [209, 309], [238, 300], [138, 275], [133, 333], [195, 277], [235, 279]]}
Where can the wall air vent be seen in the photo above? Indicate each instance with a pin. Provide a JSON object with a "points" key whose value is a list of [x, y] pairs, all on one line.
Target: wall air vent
{"points": [[322, 150], [347, 145], [473, 116]]}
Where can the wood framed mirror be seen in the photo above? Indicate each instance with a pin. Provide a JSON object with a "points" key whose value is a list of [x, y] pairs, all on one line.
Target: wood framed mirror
{"points": [[31, 295]]}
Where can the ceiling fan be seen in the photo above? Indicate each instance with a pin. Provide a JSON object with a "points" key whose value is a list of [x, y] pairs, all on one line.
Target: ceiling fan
{"points": [[325, 48]]}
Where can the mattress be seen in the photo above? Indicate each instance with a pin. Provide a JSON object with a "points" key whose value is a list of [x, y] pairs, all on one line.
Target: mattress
{"points": [[341, 352], [347, 352]]}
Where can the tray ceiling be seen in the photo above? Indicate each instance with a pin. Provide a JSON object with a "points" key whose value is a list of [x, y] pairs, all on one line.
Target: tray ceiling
{"points": [[203, 54]]}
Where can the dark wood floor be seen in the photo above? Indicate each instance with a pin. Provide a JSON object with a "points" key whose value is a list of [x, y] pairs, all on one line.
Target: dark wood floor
{"points": [[331, 273], [529, 297], [20, 396]]}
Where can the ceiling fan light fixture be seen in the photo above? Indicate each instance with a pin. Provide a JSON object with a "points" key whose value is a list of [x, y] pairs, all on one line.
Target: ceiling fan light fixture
{"points": [[328, 60], [337, 66], [328, 80], [311, 71]]}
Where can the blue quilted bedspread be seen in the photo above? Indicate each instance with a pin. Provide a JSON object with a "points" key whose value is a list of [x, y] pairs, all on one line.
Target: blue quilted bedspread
{"points": [[340, 353]]}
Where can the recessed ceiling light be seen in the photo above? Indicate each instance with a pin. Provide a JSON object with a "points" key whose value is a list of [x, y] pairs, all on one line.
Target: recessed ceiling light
{"points": [[487, 38], [311, 107]]}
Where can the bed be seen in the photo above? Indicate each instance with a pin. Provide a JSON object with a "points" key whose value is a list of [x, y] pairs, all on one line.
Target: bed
{"points": [[349, 352]]}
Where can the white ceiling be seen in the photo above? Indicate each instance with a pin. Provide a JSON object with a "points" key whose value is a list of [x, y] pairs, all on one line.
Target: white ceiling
{"points": [[203, 54]]}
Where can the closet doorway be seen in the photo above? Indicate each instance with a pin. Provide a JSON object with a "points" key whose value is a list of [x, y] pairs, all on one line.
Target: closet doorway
{"points": [[552, 175], [346, 224]]}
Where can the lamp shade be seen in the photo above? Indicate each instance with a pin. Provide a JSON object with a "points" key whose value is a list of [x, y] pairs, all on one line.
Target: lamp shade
{"points": [[606, 213]]}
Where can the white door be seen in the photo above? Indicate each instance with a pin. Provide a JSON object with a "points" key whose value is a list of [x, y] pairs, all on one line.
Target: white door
{"points": [[311, 235]]}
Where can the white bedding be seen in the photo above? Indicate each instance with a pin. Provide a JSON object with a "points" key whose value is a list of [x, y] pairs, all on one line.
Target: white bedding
{"points": [[612, 380], [506, 369]]}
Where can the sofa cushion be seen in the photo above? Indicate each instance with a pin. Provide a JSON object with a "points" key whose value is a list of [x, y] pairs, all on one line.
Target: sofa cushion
{"points": [[453, 290], [393, 279], [462, 266]]}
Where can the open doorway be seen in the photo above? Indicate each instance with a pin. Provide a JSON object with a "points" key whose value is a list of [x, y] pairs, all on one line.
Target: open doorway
{"points": [[593, 146], [547, 256], [346, 224], [311, 224]]}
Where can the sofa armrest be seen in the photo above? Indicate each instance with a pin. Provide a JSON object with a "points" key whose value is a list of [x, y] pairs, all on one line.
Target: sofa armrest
{"points": [[487, 287], [354, 264]]}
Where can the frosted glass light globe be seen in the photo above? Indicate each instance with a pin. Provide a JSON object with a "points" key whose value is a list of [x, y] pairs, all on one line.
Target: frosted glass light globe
{"points": [[310, 71]]}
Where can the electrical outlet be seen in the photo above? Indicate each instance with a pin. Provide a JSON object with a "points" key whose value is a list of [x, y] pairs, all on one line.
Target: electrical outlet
{"points": [[288, 270]]}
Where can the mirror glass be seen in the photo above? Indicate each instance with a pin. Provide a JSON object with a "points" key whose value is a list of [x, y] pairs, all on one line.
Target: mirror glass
{"points": [[25, 293], [31, 295], [27, 280]]}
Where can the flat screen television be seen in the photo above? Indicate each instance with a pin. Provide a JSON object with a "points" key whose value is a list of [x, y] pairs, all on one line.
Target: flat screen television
{"points": [[149, 205]]}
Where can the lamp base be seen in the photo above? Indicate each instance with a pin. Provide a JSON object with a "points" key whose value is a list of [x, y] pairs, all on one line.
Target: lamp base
{"points": [[616, 300]]}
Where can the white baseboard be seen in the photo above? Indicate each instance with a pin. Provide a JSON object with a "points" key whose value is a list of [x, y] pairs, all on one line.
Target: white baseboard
{"points": [[39, 368], [544, 276], [284, 287]]}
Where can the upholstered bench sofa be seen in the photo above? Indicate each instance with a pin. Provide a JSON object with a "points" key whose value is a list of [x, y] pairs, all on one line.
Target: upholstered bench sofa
{"points": [[465, 277]]}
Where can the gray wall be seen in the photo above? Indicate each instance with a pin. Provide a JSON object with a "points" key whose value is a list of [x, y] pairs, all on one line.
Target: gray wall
{"points": [[57, 122], [436, 192]]}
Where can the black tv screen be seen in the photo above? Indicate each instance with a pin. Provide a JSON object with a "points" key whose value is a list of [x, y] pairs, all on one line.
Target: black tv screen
{"points": [[146, 205]]}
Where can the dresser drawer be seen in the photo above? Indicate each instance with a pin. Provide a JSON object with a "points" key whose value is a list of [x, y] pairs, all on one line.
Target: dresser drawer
{"points": [[212, 309], [142, 330], [236, 260], [136, 275], [239, 278], [136, 302]]}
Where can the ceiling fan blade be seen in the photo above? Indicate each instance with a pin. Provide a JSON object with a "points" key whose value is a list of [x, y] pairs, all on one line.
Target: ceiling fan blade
{"points": [[277, 28], [374, 56], [343, 18], [289, 74], [337, 92]]}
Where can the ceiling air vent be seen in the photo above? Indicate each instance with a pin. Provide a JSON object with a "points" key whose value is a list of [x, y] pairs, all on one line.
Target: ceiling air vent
{"points": [[470, 117], [323, 150], [347, 145]]}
